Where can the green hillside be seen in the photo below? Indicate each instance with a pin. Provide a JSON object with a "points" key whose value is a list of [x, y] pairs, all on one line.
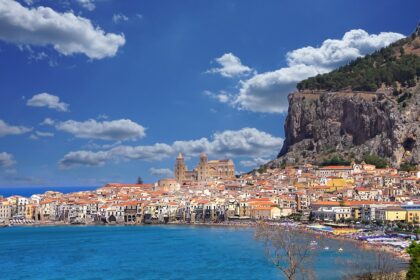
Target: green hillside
{"points": [[397, 63]]}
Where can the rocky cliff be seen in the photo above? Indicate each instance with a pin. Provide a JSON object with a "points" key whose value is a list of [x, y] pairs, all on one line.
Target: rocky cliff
{"points": [[373, 110], [351, 124]]}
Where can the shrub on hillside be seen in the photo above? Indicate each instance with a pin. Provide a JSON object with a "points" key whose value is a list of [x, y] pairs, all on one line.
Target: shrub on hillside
{"points": [[376, 160]]}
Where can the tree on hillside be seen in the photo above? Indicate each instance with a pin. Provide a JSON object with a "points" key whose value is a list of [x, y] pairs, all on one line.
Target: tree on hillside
{"points": [[376, 160], [335, 160], [408, 167], [288, 250], [414, 268]]}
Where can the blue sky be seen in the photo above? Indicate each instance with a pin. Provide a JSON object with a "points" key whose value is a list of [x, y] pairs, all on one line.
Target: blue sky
{"points": [[94, 91]]}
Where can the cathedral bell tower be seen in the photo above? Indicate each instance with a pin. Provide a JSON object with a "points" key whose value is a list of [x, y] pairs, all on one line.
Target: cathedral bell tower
{"points": [[180, 169], [202, 168]]}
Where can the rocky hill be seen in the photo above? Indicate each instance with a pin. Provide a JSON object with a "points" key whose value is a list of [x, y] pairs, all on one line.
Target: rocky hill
{"points": [[368, 107]]}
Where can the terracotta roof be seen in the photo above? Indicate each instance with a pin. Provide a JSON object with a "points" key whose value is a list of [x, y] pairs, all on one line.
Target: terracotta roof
{"points": [[335, 167], [262, 208]]}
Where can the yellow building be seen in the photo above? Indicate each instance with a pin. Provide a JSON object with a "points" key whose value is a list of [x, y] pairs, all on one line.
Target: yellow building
{"points": [[30, 212], [413, 216], [336, 183], [355, 213], [392, 214]]}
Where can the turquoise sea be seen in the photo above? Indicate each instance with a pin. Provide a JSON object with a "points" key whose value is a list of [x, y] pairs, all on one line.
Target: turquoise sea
{"points": [[146, 252]]}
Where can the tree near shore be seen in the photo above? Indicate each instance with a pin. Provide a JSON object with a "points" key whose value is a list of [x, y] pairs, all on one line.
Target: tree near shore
{"points": [[380, 266], [288, 250], [414, 268]]}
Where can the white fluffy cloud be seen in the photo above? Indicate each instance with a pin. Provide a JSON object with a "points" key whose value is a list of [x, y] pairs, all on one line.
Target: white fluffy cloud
{"points": [[40, 134], [255, 162], [116, 130], [161, 172], [47, 121], [84, 158], [87, 4], [7, 129], [90, 158], [48, 100], [6, 160], [334, 53], [157, 151], [117, 18], [246, 142], [66, 32], [44, 134], [230, 66], [267, 92], [222, 96]]}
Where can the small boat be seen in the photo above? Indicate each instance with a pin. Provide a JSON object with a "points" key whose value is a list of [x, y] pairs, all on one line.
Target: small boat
{"points": [[326, 248], [340, 250], [313, 243]]}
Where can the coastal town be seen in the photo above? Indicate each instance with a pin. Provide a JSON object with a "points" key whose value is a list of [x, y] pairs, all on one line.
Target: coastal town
{"points": [[355, 200]]}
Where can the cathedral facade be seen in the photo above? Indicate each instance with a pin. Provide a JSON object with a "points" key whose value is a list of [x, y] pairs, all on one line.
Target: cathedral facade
{"points": [[205, 170]]}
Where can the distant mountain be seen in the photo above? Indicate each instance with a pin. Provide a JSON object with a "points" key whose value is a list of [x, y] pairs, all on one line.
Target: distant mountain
{"points": [[366, 110]]}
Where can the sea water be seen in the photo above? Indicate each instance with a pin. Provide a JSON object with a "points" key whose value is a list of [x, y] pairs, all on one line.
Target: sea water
{"points": [[28, 191], [147, 252]]}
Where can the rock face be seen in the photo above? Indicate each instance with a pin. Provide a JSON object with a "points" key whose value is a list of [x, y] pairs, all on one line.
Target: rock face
{"points": [[351, 124]]}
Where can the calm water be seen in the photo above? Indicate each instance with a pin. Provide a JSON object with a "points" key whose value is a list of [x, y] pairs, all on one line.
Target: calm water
{"points": [[143, 252], [28, 191]]}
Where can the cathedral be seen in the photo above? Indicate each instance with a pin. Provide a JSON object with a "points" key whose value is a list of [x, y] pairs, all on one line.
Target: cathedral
{"points": [[205, 170]]}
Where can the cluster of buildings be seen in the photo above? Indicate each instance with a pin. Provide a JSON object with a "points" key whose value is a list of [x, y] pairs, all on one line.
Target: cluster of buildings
{"points": [[212, 193]]}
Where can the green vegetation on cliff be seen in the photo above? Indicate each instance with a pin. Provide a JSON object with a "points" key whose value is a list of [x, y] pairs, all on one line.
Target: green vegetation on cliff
{"points": [[408, 167], [414, 268], [373, 159], [386, 66], [376, 160], [335, 160]]}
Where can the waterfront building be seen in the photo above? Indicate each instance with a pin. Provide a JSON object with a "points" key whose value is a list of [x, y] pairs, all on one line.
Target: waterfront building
{"points": [[48, 209], [30, 212], [5, 211], [18, 204], [413, 216], [331, 211], [413, 212], [391, 214], [132, 211]]}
